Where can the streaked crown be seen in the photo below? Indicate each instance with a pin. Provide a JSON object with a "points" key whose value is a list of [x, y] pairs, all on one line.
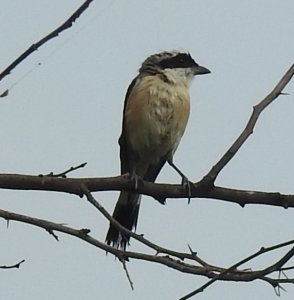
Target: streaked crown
{"points": [[171, 60]]}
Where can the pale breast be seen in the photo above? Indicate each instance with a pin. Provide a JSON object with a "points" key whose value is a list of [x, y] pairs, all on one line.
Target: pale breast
{"points": [[156, 117]]}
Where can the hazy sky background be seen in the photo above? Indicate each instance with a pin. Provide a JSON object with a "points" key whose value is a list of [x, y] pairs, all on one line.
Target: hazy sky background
{"points": [[68, 111]]}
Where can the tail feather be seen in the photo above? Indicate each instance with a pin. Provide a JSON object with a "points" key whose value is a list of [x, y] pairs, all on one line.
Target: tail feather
{"points": [[126, 213]]}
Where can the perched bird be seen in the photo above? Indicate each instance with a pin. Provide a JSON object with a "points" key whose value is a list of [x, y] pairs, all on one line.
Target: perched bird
{"points": [[155, 115]]}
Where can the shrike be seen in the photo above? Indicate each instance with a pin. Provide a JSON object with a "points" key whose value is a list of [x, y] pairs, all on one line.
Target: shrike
{"points": [[155, 115]]}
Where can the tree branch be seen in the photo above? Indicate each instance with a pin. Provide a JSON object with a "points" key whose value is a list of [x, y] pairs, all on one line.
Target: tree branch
{"points": [[177, 263], [155, 190], [15, 266], [257, 110], [67, 24], [257, 275]]}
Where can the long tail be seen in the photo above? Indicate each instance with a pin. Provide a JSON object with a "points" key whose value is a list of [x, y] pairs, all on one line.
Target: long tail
{"points": [[126, 213]]}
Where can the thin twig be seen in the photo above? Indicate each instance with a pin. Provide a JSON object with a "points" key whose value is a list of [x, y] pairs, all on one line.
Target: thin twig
{"points": [[67, 24], [127, 274], [279, 264], [16, 266], [236, 265], [64, 173]]}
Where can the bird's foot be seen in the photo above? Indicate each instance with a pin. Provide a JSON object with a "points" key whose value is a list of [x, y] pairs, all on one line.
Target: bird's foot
{"points": [[186, 184]]}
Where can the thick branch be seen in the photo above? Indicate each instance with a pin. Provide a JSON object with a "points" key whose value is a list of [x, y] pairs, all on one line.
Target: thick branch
{"points": [[155, 190], [67, 24]]}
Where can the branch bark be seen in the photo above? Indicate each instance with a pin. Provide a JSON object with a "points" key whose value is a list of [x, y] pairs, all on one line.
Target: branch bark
{"points": [[155, 190]]}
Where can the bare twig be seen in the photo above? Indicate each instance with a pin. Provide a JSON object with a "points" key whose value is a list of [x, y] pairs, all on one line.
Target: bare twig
{"points": [[64, 173], [67, 24], [127, 274], [15, 266], [279, 264], [259, 274], [257, 110]]}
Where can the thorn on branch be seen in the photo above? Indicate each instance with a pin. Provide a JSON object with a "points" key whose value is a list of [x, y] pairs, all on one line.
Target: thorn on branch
{"points": [[4, 94], [278, 289], [81, 192], [161, 200], [85, 231], [286, 205], [193, 253], [242, 204], [50, 231]]}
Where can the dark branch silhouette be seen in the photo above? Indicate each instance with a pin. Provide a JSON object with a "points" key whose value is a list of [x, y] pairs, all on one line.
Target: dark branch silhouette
{"points": [[260, 274], [64, 173], [67, 24], [15, 266]]}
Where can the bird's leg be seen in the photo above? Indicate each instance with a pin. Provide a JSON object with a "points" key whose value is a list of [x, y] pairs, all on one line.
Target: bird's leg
{"points": [[185, 180]]}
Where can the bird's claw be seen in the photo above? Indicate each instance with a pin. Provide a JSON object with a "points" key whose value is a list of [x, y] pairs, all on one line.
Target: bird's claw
{"points": [[187, 186], [136, 180]]}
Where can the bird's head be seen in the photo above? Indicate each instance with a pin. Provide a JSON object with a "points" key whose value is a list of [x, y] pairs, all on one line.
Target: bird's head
{"points": [[172, 64]]}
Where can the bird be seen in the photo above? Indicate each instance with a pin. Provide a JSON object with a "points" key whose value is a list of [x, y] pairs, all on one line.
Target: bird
{"points": [[155, 115]]}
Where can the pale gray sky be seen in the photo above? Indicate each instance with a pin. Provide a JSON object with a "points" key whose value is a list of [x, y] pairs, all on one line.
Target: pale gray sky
{"points": [[68, 110]]}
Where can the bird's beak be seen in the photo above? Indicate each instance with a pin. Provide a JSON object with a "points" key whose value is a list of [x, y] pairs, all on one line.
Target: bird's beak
{"points": [[199, 70]]}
